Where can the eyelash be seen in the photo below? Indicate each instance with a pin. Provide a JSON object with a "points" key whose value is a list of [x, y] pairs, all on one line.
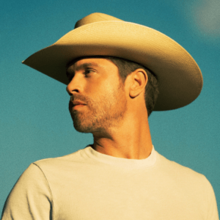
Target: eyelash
{"points": [[88, 71]]}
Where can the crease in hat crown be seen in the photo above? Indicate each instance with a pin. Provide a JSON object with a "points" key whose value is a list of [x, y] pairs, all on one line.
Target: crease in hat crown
{"points": [[95, 17], [99, 34]]}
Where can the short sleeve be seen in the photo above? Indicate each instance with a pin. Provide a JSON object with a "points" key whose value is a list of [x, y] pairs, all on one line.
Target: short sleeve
{"points": [[212, 204], [30, 198]]}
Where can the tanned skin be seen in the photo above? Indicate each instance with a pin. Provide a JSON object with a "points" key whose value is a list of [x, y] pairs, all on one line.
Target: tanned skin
{"points": [[112, 110]]}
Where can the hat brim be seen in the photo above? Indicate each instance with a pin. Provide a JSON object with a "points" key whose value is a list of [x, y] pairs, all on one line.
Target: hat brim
{"points": [[180, 79]]}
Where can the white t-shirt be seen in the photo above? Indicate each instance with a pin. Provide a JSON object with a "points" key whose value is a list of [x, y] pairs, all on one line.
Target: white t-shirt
{"points": [[88, 185]]}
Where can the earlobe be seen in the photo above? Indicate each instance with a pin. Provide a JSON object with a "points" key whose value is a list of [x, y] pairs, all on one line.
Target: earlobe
{"points": [[139, 80]]}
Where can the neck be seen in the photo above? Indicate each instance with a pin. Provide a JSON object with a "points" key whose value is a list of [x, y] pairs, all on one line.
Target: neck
{"points": [[130, 140]]}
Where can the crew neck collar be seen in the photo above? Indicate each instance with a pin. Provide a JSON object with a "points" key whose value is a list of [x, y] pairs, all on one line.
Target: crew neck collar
{"points": [[90, 153]]}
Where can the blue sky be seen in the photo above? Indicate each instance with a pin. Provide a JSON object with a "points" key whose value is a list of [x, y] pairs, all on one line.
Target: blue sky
{"points": [[35, 122]]}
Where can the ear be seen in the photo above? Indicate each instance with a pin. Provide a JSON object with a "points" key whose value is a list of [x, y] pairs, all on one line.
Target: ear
{"points": [[139, 79]]}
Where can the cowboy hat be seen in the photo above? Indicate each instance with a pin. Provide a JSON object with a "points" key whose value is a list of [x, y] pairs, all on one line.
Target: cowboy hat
{"points": [[98, 34]]}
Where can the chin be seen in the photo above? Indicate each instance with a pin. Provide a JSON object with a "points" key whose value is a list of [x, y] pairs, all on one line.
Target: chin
{"points": [[81, 128], [87, 128], [89, 124]]}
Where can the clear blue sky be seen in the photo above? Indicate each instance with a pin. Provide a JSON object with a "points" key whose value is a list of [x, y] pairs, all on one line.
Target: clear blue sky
{"points": [[35, 122]]}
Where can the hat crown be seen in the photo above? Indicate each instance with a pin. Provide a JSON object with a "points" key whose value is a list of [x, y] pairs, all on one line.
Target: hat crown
{"points": [[95, 17]]}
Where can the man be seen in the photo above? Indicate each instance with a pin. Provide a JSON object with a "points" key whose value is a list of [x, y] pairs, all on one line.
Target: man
{"points": [[117, 73]]}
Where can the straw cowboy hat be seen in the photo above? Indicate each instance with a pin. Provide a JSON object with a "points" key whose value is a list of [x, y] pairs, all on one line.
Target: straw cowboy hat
{"points": [[180, 79]]}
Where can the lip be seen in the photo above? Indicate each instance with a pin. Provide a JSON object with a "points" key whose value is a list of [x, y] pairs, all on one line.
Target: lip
{"points": [[76, 104]]}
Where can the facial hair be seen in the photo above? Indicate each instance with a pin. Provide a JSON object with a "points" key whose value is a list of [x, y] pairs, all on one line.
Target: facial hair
{"points": [[100, 114]]}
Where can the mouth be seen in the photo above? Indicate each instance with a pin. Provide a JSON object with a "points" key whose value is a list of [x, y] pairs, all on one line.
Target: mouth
{"points": [[76, 104]]}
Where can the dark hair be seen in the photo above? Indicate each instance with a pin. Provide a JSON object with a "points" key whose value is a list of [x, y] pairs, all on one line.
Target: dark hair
{"points": [[126, 67]]}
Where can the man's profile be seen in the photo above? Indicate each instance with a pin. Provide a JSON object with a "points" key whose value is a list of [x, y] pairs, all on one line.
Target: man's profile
{"points": [[116, 74]]}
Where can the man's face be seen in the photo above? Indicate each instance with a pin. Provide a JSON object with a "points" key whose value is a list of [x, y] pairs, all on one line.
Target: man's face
{"points": [[98, 100]]}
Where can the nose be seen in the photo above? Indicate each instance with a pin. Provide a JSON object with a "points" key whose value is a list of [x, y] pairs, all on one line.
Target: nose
{"points": [[74, 86]]}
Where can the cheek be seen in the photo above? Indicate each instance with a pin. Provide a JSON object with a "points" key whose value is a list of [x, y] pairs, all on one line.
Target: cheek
{"points": [[96, 89], [103, 90], [93, 86]]}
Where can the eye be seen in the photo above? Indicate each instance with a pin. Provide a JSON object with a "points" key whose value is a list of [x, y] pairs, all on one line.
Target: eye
{"points": [[88, 72]]}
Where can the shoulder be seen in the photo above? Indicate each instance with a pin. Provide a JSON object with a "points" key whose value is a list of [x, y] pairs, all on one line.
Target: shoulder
{"points": [[40, 175], [60, 162], [188, 187], [185, 177], [176, 169], [59, 169]]}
